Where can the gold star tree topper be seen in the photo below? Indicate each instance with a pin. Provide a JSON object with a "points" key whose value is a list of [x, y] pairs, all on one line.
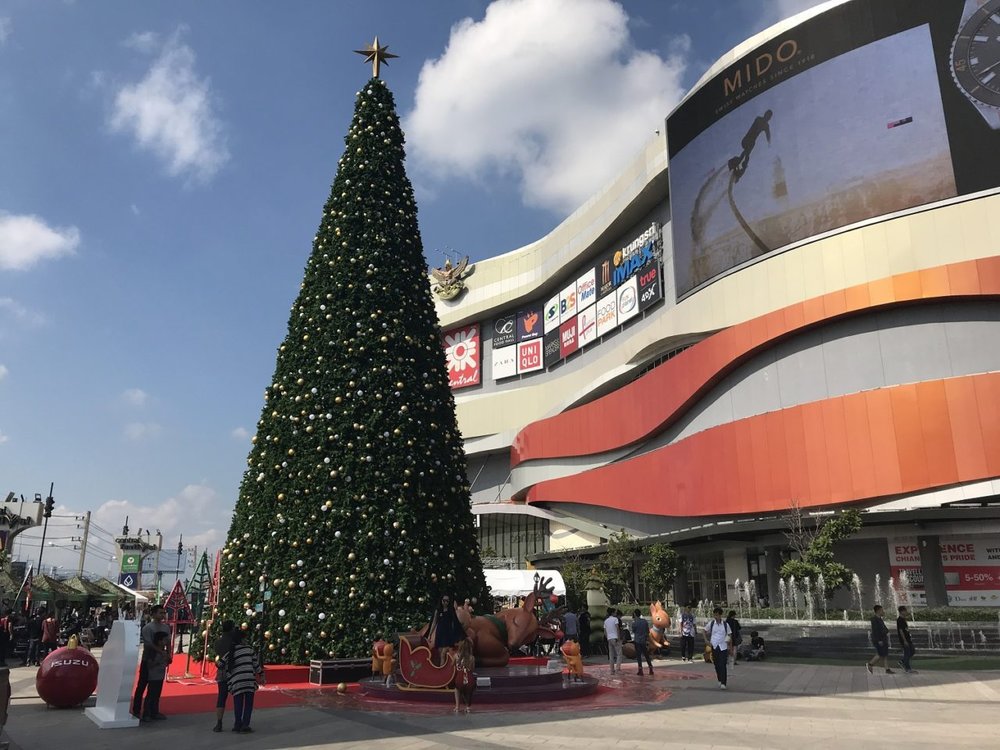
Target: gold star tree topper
{"points": [[376, 55]]}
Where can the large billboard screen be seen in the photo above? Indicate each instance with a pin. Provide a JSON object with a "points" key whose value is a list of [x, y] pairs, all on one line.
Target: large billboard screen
{"points": [[872, 107]]}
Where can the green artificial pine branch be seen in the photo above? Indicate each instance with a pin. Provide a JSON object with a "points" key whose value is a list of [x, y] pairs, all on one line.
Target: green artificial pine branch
{"points": [[354, 510]]}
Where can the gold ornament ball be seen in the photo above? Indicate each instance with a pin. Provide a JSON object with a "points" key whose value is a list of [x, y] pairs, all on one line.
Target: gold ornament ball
{"points": [[287, 627], [342, 688]]}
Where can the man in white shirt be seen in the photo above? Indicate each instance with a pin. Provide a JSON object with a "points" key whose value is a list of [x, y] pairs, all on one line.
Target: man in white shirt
{"points": [[614, 644], [719, 636]]}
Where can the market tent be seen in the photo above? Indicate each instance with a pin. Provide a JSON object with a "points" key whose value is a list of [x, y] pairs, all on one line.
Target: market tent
{"points": [[111, 590], [522, 582], [45, 588], [93, 591]]}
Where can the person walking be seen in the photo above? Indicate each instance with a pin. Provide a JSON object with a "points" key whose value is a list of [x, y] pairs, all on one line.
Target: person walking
{"points": [[222, 646], [34, 633], [584, 627], [50, 635], [156, 660], [720, 638], [905, 641], [6, 636], [640, 638], [880, 639], [687, 628], [148, 643], [614, 643], [734, 628], [243, 674]]}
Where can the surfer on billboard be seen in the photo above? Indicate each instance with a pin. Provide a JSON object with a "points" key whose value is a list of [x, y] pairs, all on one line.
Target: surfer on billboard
{"points": [[761, 125]]}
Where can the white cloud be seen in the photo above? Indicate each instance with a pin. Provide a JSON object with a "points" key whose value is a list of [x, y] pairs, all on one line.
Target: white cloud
{"points": [[25, 240], [3, 438], [6, 29], [3, 371], [552, 92], [135, 209], [135, 397], [171, 111], [778, 10], [137, 431], [176, 515], [24, 316], [240, 433]]}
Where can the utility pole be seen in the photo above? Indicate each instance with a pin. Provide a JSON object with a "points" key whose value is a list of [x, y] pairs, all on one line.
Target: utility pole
{"points": [[156, 563], [47, 513], [83, 543]]}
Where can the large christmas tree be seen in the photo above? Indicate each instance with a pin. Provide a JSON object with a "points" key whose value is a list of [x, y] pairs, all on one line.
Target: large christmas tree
{"points": [[353, 516]]}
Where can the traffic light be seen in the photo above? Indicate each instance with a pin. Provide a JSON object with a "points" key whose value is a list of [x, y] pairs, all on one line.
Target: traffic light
{"points": [[180, 548], [49, 505]]}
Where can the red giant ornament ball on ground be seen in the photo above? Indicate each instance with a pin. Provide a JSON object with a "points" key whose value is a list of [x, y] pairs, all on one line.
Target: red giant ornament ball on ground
{"points": [[67, 677]]}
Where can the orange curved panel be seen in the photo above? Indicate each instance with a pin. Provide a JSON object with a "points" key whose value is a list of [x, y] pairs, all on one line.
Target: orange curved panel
{"points": [[845, 449], [663, 394]]}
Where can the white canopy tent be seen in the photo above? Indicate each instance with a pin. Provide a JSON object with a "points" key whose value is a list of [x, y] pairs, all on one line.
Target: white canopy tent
{"points": [[522, 582], [139, 598]]}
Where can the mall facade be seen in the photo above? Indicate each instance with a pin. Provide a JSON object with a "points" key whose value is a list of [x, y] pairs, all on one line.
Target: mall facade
{"points": [[790, 297]]}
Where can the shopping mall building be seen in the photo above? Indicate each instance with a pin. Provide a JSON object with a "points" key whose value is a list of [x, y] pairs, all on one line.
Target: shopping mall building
{"points": [[789, 297]]}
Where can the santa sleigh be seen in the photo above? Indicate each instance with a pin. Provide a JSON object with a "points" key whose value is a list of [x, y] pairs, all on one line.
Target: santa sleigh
{"points": [[417, 666]]}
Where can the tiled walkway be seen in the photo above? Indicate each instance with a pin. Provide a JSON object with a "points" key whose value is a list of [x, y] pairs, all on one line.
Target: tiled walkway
{"points": [[766, 706]]}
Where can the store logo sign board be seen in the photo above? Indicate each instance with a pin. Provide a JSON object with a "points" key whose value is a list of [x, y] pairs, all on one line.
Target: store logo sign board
{"points": [[504, 362], [567, 303], [607, 314], [568, 342], [586, 326], [628, 300], [529, 356], [650, 286], [504, 331], [462, 353], [130, 562], [128, 580], [529, 323], [550, 348], [551, 314], [586, 289], [620, 265]]}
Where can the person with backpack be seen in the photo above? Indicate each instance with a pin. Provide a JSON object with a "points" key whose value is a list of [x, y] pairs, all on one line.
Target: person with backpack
{"points": [[719, 637], [243, 673]]}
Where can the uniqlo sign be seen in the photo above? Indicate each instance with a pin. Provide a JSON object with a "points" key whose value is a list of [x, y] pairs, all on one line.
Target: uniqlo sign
{"points": [[568, 342], [529, 356]]}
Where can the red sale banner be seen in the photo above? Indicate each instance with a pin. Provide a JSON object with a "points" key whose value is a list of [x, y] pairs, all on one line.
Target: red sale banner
{"points": [[971, 569]]}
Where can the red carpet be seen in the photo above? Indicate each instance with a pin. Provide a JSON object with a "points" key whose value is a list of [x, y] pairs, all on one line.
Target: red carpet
{"points": [[192, 695]]}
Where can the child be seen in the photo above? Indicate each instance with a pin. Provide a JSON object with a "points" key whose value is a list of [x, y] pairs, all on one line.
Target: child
{"points": [[157, 658], [465, 678]]}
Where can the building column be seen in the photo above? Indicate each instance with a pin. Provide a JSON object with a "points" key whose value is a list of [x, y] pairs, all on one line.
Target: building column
{"points": [[772, 565], [933, 570]]}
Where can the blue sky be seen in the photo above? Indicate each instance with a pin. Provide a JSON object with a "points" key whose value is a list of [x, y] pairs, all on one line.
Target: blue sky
{"points": [[162, 170]]}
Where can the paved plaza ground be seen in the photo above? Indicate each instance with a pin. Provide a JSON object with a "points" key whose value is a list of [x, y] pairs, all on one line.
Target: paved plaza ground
{"points": [[768, 705]]}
